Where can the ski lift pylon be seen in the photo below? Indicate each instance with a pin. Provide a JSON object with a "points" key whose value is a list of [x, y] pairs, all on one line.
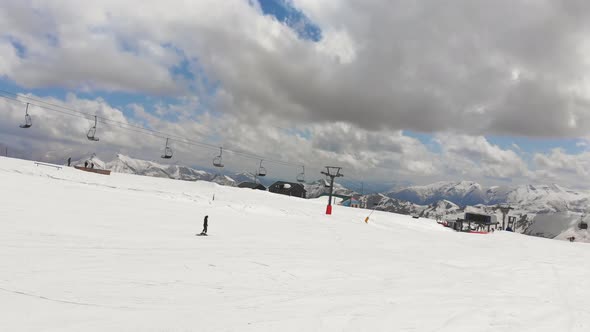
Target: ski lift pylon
{"points": [[167, 151], [301, 176], [28, 122], [218, 161], [92, 132], [261, 169]]}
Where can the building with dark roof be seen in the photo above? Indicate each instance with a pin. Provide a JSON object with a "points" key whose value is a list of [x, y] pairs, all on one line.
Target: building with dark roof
{"points": [[288, 188], [475, 222], [252, 185]]}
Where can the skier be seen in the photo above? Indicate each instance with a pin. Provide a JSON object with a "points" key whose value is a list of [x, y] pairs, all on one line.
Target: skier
{"points": [[205, 224], [86, 164], [92, 165], [69, 161]]}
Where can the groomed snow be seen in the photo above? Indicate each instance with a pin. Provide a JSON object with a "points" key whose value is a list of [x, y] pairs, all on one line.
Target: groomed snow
{"points": [[87, 252]]}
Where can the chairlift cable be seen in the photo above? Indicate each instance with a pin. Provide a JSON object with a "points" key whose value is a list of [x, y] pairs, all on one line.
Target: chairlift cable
{"points": [[64, 110], [152, 131], [135, 128]]}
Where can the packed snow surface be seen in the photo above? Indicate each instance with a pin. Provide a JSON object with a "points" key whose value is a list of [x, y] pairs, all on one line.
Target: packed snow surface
{"points": [[87, 252]]}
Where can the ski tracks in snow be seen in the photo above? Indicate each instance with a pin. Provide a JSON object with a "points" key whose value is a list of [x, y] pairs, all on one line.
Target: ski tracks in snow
{"points": [[563, 291], [62, 301]]}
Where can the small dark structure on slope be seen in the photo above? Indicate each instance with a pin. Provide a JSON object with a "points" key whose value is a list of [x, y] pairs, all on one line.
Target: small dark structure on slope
{"points": [[583, 224], [474, 222], [93, 170], [288, 188], [482, 221], [251, 185]]}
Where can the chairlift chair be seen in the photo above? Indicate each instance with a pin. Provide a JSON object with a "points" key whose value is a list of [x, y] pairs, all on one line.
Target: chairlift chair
{"points": [[301, 176], [167, 151], [28, 122], [92, 132], [261, 170], [583, 225], [218, 161]]}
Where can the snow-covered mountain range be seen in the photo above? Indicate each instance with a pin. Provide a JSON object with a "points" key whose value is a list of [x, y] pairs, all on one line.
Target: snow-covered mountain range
{"points": [[440, 197], [462, 193], [534, 198], [125, 164], [322, 187], [543, 216], [535, 206]]}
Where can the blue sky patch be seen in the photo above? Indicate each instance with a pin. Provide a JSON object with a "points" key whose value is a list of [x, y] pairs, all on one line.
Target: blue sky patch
{"points": [[284, 12], [426, 139], [522, 145], [119, 100], [21, 50], [537, 145]]}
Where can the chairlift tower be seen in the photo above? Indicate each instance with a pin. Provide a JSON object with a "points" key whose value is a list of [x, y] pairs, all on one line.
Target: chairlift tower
{"points": [[332, 172], [301, 176], [505, 209]]}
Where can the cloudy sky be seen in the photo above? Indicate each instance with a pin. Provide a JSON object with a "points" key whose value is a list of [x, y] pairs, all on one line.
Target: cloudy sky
{"points": [[401, 90]]}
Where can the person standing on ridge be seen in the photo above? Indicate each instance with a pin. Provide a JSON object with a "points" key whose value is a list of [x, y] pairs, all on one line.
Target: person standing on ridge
{"points": [[205, 224], [69, 161]]}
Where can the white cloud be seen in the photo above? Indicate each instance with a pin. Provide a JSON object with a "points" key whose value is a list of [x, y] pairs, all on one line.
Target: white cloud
{"points": [[477, 157], [561, 167], [76, 47], [426, 66]]}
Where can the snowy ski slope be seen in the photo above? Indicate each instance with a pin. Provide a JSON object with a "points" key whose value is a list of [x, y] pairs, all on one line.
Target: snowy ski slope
{"points": [[86, 252]]}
